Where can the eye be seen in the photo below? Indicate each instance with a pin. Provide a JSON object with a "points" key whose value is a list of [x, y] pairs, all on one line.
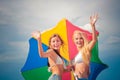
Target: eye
{"points": [[53, 41], [76, 38], [81, 38]]}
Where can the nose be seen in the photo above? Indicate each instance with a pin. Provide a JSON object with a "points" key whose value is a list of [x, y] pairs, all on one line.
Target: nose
{"points": [[55, 42], [79, 39]]}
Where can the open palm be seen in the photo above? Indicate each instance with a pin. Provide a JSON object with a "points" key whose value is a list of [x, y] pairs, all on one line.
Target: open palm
{"points": [[93, 19], [36, 34]]}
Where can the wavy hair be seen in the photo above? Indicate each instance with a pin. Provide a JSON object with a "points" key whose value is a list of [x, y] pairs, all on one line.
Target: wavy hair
{"points": [[86, 54]]}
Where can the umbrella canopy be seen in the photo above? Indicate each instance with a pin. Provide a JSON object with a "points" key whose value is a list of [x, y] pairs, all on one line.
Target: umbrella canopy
{"points": [[36, 67]]}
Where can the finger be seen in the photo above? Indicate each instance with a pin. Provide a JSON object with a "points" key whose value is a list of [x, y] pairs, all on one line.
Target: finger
{"points": [[33, 33], [91, 18], [96, 16]]}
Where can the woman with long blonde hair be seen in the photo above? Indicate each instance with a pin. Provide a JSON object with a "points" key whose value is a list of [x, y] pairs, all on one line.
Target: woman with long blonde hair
{"points": [[84, 47]]}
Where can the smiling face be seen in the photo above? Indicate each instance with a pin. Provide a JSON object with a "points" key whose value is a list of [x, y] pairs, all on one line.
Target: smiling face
{"points": [[78, 39], [55, 42]]}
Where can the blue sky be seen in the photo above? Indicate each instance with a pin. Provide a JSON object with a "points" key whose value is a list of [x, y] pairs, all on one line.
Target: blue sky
{"points": [[18, 18]]}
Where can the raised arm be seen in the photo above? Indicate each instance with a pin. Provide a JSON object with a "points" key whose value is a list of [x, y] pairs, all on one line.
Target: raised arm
{"points": [[37, 35], [93, 20]]}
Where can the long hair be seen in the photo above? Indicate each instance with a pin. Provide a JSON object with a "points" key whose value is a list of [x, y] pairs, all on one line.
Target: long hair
{"points": [[86, 55], [55, 35]]}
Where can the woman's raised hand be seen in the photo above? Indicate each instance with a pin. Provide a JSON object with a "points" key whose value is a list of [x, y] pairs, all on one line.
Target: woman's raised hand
{"points": [[36, 34], [93, 19]]}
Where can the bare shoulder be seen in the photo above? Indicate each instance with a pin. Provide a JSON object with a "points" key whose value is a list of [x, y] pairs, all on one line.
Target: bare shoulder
{"points": [[50, 50], [51, 53]]}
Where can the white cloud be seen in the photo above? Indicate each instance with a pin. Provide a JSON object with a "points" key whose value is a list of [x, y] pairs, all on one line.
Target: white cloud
{"points": [[28, 16], [19, 51], [110, 43], [113, 40]]}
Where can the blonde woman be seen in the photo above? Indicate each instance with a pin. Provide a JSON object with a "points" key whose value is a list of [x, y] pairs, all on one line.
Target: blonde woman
{"points": [[56, 63], [84, 47]]}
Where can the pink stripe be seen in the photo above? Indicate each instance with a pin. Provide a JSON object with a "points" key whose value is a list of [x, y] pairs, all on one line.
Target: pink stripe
{"points": [[66, 76]]}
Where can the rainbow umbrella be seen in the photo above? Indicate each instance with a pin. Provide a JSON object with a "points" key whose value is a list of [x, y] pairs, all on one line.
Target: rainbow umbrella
{"points": [[36, 68]]}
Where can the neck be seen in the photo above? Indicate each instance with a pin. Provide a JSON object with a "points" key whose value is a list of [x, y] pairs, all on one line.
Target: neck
{"points": [[57, 50], [79, 48]]}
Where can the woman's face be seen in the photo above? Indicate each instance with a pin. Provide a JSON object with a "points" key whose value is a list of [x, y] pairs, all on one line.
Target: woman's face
{"points": [[78, 40], [55, 43]]}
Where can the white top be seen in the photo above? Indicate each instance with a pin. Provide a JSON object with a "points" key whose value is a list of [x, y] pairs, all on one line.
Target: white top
{"points": [[78, 58], [59, 60]]}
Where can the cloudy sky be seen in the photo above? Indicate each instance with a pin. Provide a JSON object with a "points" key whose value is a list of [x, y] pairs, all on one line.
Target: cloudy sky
{"points": [[18, 18]]}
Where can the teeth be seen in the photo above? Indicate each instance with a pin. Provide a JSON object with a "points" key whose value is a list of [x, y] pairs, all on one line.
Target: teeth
{"points": [[56, 46], [78, 43]]}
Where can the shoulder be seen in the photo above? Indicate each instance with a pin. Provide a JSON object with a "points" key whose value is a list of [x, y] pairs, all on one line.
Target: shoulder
{"points": [[50, 50]]}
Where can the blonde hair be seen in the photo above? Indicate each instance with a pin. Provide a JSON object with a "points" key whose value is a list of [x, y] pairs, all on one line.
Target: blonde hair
{"points": [[85, 50]]}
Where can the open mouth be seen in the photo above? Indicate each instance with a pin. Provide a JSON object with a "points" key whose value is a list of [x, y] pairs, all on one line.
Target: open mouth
{"points": [[79, 43]]}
